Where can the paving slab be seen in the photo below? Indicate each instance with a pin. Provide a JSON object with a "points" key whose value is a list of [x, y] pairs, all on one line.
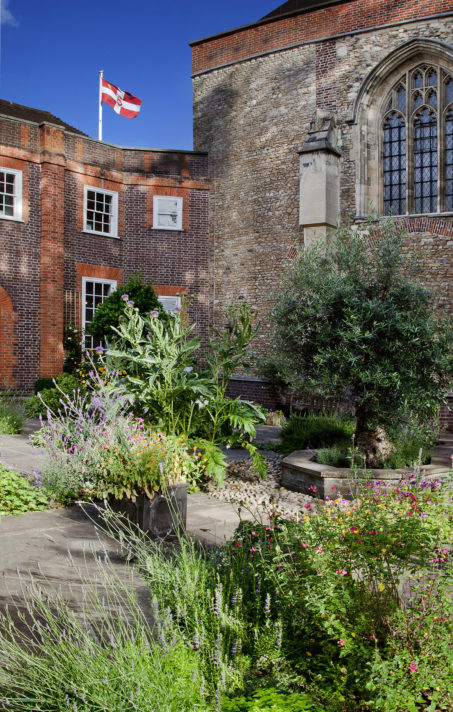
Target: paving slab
{"points": [[61, 548], [18, 452]]}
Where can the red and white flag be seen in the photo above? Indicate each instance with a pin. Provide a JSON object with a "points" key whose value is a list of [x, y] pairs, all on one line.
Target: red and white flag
{"points": [[121, 101]]}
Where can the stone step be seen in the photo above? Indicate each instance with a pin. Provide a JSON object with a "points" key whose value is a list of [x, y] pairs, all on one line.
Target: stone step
{"points": [[439, 460], [443, 451]]}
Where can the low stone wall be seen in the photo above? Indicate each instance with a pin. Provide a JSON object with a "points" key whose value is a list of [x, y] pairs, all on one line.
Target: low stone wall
{"points": [[301, 474]]}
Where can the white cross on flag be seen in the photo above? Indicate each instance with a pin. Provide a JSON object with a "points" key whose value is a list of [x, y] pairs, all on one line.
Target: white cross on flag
{"points": [[121, 101]]}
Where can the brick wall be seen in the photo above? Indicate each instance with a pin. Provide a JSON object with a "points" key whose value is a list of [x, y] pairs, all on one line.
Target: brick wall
{"points": [[8, 341], [44, 256], [253, 117]]}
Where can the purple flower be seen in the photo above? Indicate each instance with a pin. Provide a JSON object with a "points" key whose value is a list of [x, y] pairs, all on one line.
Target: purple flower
{"points": [[99, 349], [130, 303], [154, 313], [125, 297], [176, 310]]}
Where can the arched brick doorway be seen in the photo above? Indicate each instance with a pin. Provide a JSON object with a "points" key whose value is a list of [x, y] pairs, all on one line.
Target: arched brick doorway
{"points": [[8, 339]]}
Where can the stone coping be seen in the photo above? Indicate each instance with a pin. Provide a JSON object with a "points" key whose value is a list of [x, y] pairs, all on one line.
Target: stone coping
{"points": [[301, 474]]}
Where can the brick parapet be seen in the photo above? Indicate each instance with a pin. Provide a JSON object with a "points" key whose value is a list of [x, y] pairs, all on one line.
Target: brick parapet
{"points": [[320, 23]]}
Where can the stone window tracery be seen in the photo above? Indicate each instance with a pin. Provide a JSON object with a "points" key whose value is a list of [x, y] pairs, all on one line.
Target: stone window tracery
{"points": [[417, 142]]}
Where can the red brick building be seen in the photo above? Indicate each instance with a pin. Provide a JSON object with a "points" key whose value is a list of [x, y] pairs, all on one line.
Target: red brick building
{"points": [[77, 218]]}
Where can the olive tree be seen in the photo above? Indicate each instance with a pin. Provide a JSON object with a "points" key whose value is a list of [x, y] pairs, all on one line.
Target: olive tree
{"points": [[352, 321]]}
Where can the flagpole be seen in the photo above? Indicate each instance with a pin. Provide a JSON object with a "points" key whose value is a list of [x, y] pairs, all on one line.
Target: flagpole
{"points": [[101, 74]]}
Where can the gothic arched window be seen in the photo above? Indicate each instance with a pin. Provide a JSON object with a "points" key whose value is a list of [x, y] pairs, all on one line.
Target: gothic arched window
{"points": [[417, 144]]}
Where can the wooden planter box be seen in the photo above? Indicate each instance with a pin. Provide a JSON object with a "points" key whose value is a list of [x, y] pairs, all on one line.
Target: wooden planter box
{"points": [[164, 515]]}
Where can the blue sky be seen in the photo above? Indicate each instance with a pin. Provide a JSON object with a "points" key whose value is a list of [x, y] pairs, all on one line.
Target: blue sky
{"points": [[51, 52]]}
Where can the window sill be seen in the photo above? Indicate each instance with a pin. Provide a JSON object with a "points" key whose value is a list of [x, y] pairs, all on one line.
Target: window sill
{"points": [[101, 234], [374, 218], [6, 217], [167, 229]]}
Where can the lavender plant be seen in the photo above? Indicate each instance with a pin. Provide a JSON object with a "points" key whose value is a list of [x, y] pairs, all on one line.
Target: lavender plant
{"points": [[108, 656], [96, 447], [202, 596], [78, 437]]}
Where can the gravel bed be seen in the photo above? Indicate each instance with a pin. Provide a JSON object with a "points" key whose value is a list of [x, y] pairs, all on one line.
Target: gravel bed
{"points": [[243, 487]]}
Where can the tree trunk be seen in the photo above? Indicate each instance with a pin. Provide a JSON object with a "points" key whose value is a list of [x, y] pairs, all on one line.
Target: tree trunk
{"points": [[371, 441]]}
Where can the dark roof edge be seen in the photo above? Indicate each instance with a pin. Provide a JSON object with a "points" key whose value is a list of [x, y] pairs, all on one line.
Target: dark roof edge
{"points": [[85, 137], [266, 21]]}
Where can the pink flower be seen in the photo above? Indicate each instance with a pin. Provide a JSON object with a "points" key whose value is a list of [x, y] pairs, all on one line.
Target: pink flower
{"points": [[413, 667], [342, 572], [341, 642], [304, 544], [307, 506]]}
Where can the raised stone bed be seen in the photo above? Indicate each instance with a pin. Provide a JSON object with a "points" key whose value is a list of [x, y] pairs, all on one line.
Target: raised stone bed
{"points": [[301, 474]]}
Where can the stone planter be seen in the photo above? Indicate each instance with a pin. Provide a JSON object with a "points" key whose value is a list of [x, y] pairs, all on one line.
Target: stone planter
{"points": [[301, 474], [164, 515]]}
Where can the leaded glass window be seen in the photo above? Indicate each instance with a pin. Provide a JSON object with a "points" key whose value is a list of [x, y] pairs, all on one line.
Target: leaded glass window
{"points": [[425, 162], [417, 143], [449, 161], [394, 165]]}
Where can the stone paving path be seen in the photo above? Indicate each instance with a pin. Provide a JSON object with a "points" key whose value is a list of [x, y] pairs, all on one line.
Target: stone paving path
{"points": [[60, 547]]}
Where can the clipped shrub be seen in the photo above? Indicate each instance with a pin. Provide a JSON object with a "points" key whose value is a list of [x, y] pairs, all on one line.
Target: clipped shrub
{"points": [[109, 313], [316, 431], [43, 384]]}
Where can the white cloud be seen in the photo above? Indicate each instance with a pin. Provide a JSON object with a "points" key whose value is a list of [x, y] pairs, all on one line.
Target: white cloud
{"points": [[6, 16]]}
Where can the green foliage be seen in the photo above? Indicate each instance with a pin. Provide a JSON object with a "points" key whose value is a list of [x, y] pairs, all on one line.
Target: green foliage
{"points": [[51, 398], [351, 321], [110, 313], [158, 359], [229, 347], [156, 362], [337, 577], [418, 667], [108, 656], [95, 447], [334, 456], [18, 494], [200, 592], [150, 463], [12, 413], [72, 350], [43, 384], [316, 431], [271, 700], [414, 438], [347, 610]]}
